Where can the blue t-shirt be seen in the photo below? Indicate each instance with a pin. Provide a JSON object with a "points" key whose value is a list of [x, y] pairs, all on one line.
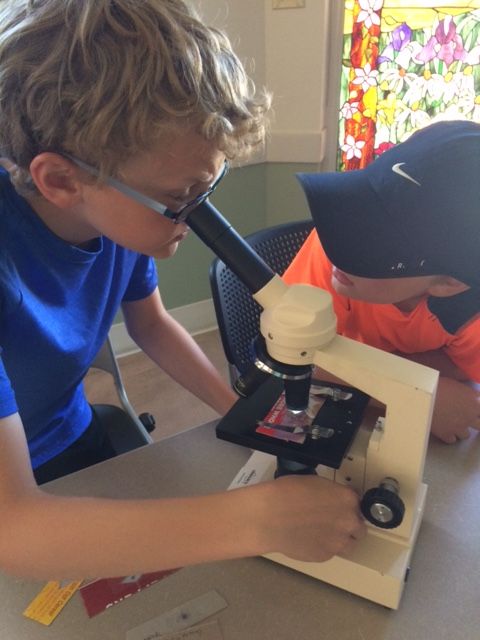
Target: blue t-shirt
{"points": [[57, 303]]}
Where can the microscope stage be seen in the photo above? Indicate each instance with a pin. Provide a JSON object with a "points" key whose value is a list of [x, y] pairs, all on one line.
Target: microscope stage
{"points": [[335, 425]]}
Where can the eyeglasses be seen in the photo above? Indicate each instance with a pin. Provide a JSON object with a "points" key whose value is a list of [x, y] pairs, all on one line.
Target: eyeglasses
{"points": [[176, 216]]}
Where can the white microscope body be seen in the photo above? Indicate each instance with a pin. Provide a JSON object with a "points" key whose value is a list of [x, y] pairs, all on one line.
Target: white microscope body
{"points": [[299, 327]]}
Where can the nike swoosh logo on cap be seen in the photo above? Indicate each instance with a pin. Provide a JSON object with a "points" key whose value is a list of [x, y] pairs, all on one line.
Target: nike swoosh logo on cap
{"points": [[396, 169]]}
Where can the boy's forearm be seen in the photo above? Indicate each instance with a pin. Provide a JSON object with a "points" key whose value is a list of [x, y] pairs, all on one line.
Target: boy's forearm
{"points": [[46, 536], [49, 537], [457, 409], [177, 353], [168, 344], [457, 404], [89, 537]]}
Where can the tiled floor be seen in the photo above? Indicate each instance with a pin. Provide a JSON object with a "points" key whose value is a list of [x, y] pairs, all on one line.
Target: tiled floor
{"points": [[149, 389]]}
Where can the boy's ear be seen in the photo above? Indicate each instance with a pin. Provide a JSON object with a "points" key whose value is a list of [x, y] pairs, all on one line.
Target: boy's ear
{"points": [[447, 286], [57, 179]]}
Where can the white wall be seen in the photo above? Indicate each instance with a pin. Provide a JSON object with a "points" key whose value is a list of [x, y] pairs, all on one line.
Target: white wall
{"points": [[296, 59], [244, 21], [289, 49]]}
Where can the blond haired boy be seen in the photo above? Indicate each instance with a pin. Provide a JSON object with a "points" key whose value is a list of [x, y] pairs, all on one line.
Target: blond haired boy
{"points": [[116, 115]]}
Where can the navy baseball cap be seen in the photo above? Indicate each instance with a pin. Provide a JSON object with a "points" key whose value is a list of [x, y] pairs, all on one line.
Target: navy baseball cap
{"points": [[414, 211]]}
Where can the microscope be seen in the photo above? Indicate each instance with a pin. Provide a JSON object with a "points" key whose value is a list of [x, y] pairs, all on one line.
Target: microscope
{"points": [[327, 428]]}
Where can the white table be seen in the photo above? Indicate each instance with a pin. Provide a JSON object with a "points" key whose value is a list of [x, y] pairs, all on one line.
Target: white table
{"points": [[267, 600]]}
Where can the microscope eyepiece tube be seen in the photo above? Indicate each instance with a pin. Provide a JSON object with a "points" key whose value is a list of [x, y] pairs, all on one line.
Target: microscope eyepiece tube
{"points": [[226, 243]]}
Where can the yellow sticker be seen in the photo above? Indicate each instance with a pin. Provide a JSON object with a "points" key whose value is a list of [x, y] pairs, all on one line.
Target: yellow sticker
{"points": [[50, 601]]}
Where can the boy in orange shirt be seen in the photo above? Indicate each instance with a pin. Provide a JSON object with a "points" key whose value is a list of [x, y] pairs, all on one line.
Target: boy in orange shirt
{"points": [[401, 258]]}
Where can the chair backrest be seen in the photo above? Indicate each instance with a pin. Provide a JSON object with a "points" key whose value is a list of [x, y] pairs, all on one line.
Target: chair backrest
{"points": [[238, 315]]}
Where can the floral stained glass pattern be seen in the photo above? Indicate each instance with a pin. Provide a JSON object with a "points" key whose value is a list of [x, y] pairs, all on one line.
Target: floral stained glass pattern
{"points": [[405, 65]]}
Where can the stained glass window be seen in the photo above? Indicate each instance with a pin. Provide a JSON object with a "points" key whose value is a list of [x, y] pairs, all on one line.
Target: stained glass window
{"points": [[405, 65]]}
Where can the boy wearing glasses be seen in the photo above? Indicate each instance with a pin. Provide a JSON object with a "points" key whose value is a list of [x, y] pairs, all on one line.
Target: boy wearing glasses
{"points": [[116, 116]]}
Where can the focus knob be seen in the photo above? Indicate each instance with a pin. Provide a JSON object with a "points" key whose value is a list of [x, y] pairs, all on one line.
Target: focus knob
{"points": [[382, 506]]}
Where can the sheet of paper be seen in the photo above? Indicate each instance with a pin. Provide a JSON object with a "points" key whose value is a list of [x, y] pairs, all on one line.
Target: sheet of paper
{"points": [[259, 467], [183, 617]]}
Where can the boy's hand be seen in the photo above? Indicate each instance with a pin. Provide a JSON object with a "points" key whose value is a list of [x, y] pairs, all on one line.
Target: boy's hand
{"points": [[457, 410], [310, 518]]}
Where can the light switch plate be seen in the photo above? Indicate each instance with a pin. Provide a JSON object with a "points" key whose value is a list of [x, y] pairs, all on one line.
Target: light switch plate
{"points": [[288, 4]]}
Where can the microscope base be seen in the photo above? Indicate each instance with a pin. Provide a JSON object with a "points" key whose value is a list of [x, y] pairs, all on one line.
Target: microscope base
{"points": [[378, 566], [377, 569]]}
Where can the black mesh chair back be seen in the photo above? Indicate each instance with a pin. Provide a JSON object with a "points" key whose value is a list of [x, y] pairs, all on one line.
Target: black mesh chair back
{"points": [[238, 315]]}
